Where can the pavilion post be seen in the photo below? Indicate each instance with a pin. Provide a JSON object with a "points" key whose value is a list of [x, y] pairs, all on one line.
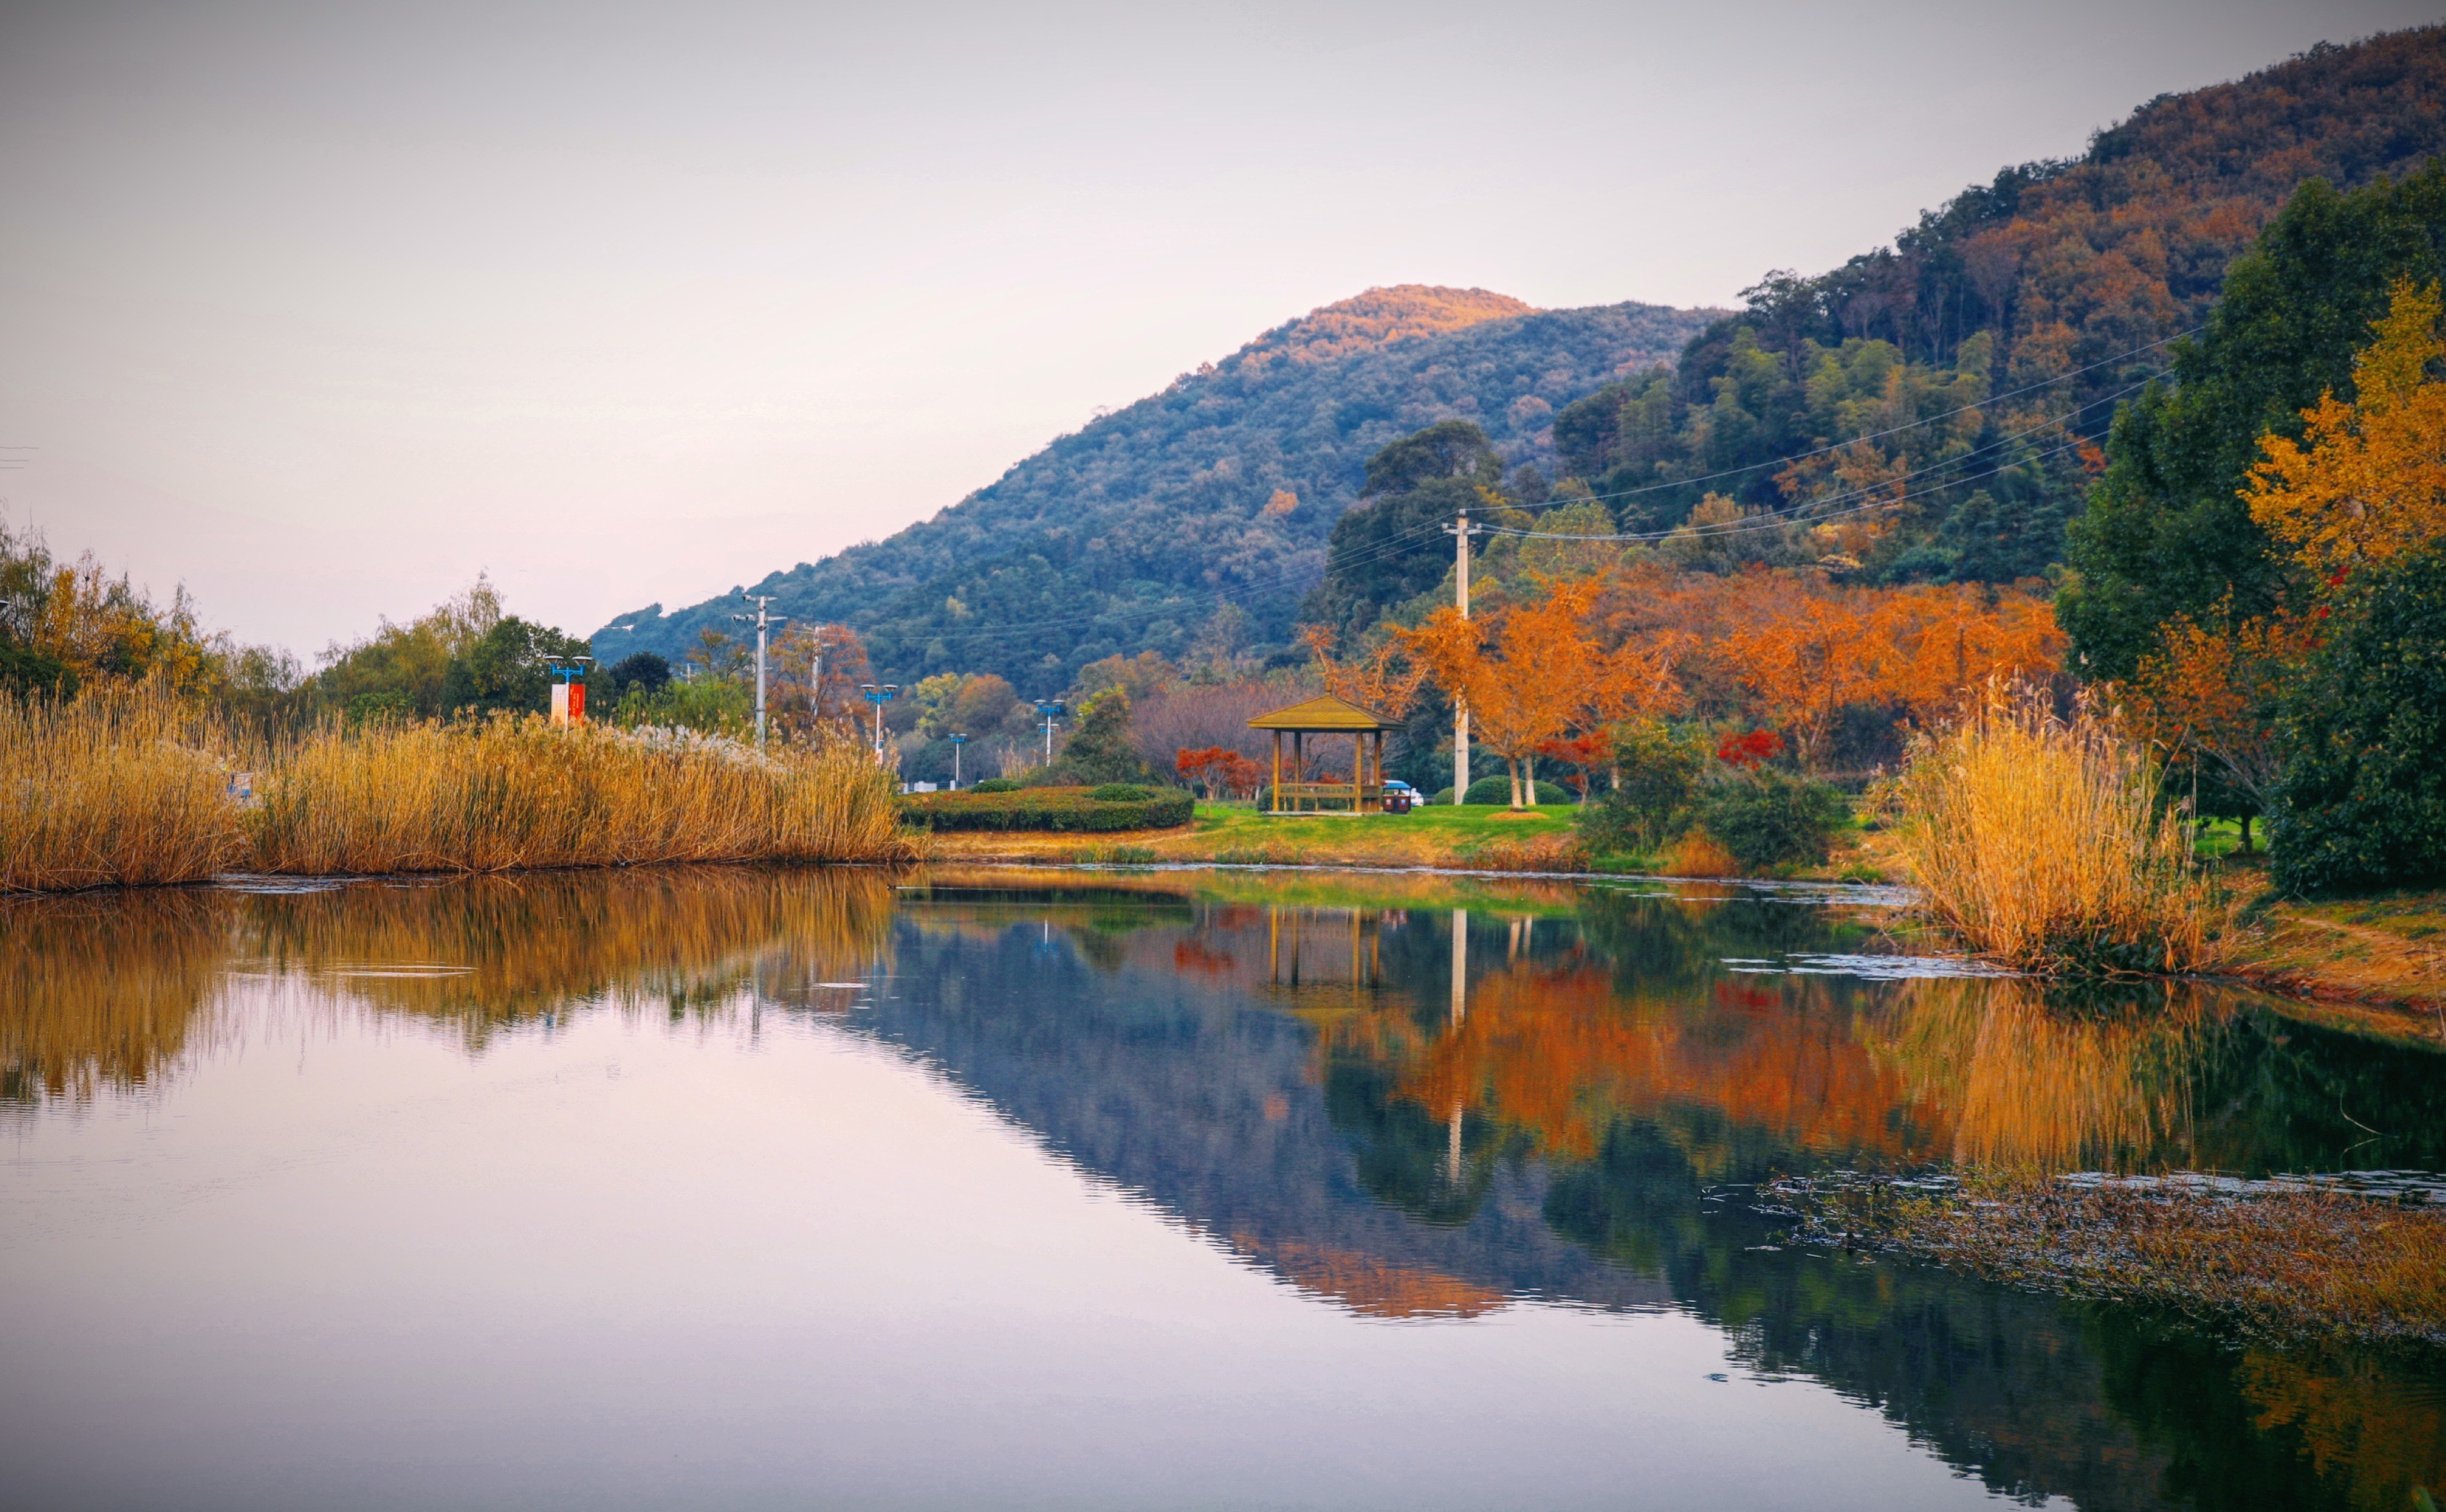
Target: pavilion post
{"points": [[1277, 791]]}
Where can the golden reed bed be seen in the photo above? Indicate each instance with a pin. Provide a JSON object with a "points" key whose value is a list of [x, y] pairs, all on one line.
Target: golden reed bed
{"points": [[135, 789], [2042, 842]]}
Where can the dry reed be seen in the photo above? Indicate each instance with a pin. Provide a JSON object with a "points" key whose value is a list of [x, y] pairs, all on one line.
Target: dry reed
{"points": [[132, 786], [2042, 844], [119, 786], [512, 792]]}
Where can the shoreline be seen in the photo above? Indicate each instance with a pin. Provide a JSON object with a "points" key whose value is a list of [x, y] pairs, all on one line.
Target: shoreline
{"points": [[2335, 957]]}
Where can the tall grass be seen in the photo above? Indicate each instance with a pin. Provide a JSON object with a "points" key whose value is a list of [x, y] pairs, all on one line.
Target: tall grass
{"points": [[119, 786], [132, 786], [512, 792], [2042, 844]]}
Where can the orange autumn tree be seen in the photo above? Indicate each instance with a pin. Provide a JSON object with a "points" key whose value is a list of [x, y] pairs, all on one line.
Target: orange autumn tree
{"points": [[1807, 655], [1939, 644], [1806, 649], [2367, 481], [2209, 697], [1380, 680], [1523, 673]]}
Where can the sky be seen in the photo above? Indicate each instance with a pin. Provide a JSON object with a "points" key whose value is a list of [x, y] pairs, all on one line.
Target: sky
{"points": [[324, 310]]}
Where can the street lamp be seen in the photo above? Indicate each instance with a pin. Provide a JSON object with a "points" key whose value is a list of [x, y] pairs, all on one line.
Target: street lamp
{"points": [[1052, 709], [957, 741], [880, 695], [568, 693]]}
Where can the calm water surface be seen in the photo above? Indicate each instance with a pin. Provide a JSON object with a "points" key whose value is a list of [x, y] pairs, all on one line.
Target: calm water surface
{"points": [[744, 1189]]}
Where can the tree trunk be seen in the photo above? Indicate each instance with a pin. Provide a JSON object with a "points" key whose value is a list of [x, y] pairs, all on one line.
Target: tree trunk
{"points": [[1515, 768]]}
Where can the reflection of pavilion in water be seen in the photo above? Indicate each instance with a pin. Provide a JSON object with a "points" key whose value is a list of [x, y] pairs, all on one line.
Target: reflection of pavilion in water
{"points": [[1412, 1111]]}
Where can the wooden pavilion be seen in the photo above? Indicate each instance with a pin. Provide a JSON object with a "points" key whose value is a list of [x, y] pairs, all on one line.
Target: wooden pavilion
{"points": [[1364, 792]]}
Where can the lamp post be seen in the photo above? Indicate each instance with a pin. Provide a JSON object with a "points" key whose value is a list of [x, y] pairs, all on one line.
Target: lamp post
{"points": [[568, 693], [1051, 709], [957, 741], [763, 621], [880, 695]]}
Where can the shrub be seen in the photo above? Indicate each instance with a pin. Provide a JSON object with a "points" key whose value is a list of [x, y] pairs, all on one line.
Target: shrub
{"points": [[1651, 805], [1122, 793], [2042, 844], [996, 785], [1765, 816], [1499, 791], [1069, 808], [1099, 749], [2361, 802]]}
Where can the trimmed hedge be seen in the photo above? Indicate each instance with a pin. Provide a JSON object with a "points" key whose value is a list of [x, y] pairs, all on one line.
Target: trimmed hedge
{"points": [[1497, 791], [1079, 809]]}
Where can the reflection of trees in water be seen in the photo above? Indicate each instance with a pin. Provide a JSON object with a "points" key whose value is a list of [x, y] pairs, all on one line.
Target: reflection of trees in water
{"points": [[1610, 1074], [1646, 1095], [109, 990], [104, 990]]}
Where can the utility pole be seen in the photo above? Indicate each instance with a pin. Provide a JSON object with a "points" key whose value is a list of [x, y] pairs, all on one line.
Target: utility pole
{"points": [[763, 621], [957, 741], [1460, 531], [1052, 709]]}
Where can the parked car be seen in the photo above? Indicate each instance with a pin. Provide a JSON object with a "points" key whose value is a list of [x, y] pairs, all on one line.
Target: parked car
{"points": [[1399, 797]]}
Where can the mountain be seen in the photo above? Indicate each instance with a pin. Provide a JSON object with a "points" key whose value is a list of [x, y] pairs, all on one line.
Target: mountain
{"points": [[2024, 310], [1203, 510]]}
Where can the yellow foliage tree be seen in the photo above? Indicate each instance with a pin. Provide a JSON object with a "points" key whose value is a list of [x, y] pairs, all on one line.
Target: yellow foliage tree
{"points": [[2369, 480]]}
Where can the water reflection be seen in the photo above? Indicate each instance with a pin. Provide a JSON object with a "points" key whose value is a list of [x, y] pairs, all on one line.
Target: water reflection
{"points": [[1423, 1101]]}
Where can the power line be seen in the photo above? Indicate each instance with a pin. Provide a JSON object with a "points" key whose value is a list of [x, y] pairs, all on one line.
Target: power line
{"points": [[1782, 520], [1873, 436], [1404, 539], [1803, 511]]}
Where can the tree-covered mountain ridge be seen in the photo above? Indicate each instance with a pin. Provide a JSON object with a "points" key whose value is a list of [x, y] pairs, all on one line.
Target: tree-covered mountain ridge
{"points": [[1202, 511]]}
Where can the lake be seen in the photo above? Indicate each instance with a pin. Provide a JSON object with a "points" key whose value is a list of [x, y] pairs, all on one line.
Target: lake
{"points": [[1132, 1188]]}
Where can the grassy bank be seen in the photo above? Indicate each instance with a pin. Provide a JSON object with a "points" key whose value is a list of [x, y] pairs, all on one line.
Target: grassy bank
{"points": [[1466, 837], [2385, 953], [2289, 1263], [134, 790]]}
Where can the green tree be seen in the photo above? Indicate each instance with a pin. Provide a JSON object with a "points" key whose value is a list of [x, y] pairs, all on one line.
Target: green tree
{"points": [[504, 669], [2361, 802], [2167, 532], [1099, 749], [1656, 775], [1389, 549]]}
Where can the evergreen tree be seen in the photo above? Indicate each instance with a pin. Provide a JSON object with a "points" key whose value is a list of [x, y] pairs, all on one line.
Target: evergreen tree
{"points": [[2167, 532], [2363, 800]]}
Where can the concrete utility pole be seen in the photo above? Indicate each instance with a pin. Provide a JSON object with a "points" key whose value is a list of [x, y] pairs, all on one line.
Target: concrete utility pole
{"points": [[957, 741], [1460, 531], [763, 621]]}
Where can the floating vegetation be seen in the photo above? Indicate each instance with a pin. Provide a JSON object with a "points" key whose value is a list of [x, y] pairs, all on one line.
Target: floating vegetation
{"points": [[2289, 1259]]}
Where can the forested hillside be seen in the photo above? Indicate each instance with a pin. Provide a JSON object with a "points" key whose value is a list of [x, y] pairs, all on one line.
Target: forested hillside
{"points": [[1202, 512], [1929, 411], [2019, 314]]}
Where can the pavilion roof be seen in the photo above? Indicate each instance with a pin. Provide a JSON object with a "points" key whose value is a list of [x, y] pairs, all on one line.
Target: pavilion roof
{"points": [[1327, 713]]}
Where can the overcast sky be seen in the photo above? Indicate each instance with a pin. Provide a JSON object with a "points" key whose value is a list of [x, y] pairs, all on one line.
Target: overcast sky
{"points": [[322, 310]]}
